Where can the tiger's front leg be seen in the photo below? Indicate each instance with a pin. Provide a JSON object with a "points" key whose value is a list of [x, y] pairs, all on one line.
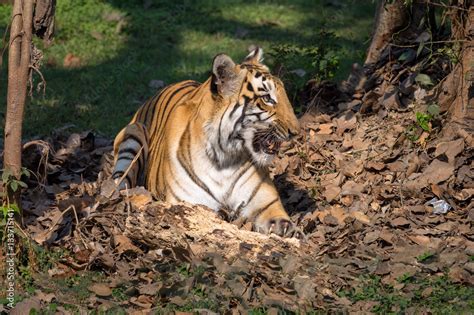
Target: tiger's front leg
{"points": [[265, 209], [272, 218]]}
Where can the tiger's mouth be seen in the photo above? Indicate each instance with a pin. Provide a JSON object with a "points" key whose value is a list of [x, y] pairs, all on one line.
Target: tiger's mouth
{"points": [[266, 143]]}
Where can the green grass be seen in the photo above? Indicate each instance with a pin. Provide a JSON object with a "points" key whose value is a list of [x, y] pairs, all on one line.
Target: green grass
{"points": [[426, 256], [123, 46], [445, 298]]}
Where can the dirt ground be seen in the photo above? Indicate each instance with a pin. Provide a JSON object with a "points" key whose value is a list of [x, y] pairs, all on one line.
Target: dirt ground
{"points": [[358, 181]]}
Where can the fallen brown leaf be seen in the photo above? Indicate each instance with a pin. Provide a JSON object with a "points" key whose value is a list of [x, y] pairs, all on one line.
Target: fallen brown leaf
{"points": [[100, 289]]}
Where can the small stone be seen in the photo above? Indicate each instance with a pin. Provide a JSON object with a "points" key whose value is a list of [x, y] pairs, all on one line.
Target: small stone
{"points": [[427, 292], [156, 84], [100, 289], [469, 267]]}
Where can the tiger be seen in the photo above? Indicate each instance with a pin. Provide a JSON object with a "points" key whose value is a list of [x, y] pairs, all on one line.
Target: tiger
{"points": [[211, 143]]}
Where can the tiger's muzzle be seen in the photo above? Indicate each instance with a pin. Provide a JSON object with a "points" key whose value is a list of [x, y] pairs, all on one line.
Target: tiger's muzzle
{"points": [[267, 142]]}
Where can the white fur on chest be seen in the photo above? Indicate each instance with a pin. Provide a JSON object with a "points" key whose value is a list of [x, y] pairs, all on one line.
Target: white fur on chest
{"points": [[216, 188]]}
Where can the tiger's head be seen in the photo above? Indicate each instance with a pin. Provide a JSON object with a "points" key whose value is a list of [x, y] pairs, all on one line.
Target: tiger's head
{"points": [[255, 115]]}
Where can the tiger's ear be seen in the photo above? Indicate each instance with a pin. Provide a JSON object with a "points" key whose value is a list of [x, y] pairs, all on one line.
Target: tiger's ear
{"points": [[255, 56], [224, 75]]}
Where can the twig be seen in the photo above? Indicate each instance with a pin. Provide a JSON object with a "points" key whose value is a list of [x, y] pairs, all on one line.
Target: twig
{"points": [[41, 177], [77, 222], [431, 42], [446, 6], [129, 167], [42, 80]]}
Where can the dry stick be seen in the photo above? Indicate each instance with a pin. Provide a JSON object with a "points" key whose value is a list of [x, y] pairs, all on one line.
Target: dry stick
{"points": [[77, 222], [44, 160], [129, 167], [431, 42], [22, 231], [96, 205], [127, 200], [42, 80], [447, 6]]}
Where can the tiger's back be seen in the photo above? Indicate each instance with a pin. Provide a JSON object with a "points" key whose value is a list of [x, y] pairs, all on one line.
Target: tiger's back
{"points": [[150, 122]]}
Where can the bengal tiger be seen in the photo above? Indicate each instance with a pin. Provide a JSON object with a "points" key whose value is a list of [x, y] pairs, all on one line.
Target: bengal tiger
{"points": [[211, 143]]}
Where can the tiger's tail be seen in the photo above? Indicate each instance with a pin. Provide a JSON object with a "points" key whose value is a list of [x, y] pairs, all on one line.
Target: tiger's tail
{"points": [[130, 153]]}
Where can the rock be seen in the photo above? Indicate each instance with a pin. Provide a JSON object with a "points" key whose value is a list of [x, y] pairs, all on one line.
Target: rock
{"points": [[469, 267], [100, 289], [156, 84]]}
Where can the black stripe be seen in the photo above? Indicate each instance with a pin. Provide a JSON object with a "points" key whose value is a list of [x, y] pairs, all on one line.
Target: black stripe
{"points": [[237, 105], [239, 176], [267, 117], [133, 137], [261, 89], [174, 194], [127, 150], [124, 157], [167, 103], [149, 118], [130, 151], [151, 103], [255, 114], [158, 105], [161, 136], [242, 116], [190, 171], [250, 87], [162, 125], [254, 191], [117, 174], [173, 178], [258, 212], [219, 142], [258, 74]]}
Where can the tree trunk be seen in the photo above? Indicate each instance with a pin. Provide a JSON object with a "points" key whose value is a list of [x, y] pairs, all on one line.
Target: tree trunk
{"points": [[19, 55], [457, 92], [389, 18], [396, 18]]}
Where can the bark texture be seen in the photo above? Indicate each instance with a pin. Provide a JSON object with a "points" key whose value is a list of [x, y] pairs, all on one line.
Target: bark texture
{"points": [[29, 17], [19, 55], [395, 19], [457, 92], [389, 18]]}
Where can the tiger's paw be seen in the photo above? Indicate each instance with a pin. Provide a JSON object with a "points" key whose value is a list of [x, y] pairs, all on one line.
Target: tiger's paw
{"points": [[280, 226]]}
